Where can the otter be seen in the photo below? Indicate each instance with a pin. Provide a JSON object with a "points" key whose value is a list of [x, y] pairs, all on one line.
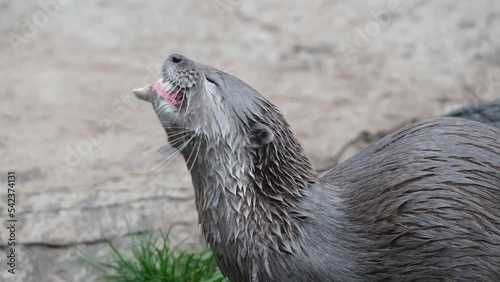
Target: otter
{"points": [[422, 203]]}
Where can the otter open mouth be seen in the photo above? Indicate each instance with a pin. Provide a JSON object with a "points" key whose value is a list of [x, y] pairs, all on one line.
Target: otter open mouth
{"points": [[166, 90], [169, 92]]}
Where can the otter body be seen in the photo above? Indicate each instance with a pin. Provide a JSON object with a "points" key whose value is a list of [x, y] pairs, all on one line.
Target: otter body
{"points": [[421, 204]]}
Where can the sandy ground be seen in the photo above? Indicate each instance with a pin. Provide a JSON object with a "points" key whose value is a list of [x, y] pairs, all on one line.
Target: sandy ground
{"points": [[92, 162]]}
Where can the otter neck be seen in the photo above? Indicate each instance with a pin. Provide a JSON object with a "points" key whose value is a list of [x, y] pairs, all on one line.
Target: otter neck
{"points": [[247, 198]]}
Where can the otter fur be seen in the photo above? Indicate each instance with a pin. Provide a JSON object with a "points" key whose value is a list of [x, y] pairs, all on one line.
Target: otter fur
{"points": [[423, 203]]}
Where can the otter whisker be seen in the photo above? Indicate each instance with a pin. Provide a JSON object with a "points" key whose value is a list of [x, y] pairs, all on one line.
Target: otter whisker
{"points": [[170, 158], [159, 150], [150, 144], [189, 100], [172, 127], [175, 140], [190, 154], [147, 145], [177, 133], [195, 157], [175, 127], [152, 140], [182, 102], [154, 149], [150, 160]]}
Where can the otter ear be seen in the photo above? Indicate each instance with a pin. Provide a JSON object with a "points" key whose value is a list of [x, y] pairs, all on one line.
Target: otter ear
{"points": [[262, 134]]}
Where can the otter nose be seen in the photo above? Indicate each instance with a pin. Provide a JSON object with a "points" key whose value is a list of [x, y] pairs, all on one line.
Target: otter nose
{"points": [[175, 58]]}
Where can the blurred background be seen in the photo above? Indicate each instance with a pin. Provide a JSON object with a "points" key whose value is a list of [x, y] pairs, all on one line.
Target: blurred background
{"points": [[93, 162]]}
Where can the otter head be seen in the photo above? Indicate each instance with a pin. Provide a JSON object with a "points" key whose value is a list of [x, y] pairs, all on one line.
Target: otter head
{"points": [[197, 103], [231, 137]]}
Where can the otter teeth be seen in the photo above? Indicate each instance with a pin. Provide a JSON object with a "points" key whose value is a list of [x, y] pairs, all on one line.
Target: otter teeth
{"points": [[167, 86], [143, 93]]}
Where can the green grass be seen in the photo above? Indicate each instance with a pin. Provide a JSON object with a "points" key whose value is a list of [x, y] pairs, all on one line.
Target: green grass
{"points": [[155, 260]]}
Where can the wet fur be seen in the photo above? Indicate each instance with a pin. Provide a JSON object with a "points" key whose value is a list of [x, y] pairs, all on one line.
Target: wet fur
{"points": [[421, 204]]}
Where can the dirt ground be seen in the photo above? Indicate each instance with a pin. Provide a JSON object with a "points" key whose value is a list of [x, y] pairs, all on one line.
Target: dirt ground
{"points": [[92, 162]]}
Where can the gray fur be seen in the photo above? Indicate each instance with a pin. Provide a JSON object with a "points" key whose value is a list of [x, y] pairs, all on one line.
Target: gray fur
{"points": [[421, 204]]}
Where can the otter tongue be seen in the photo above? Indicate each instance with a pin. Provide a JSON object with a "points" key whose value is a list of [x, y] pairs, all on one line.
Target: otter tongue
{"points": [[160, 90]]}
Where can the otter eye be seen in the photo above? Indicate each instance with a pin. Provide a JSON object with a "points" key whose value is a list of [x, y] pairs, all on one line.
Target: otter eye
{"points": [[211, 80], [262, 134], [176, 59]]}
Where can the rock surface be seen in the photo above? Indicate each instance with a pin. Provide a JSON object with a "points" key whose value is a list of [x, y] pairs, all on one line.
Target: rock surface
{"points": [[92, 162]]}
